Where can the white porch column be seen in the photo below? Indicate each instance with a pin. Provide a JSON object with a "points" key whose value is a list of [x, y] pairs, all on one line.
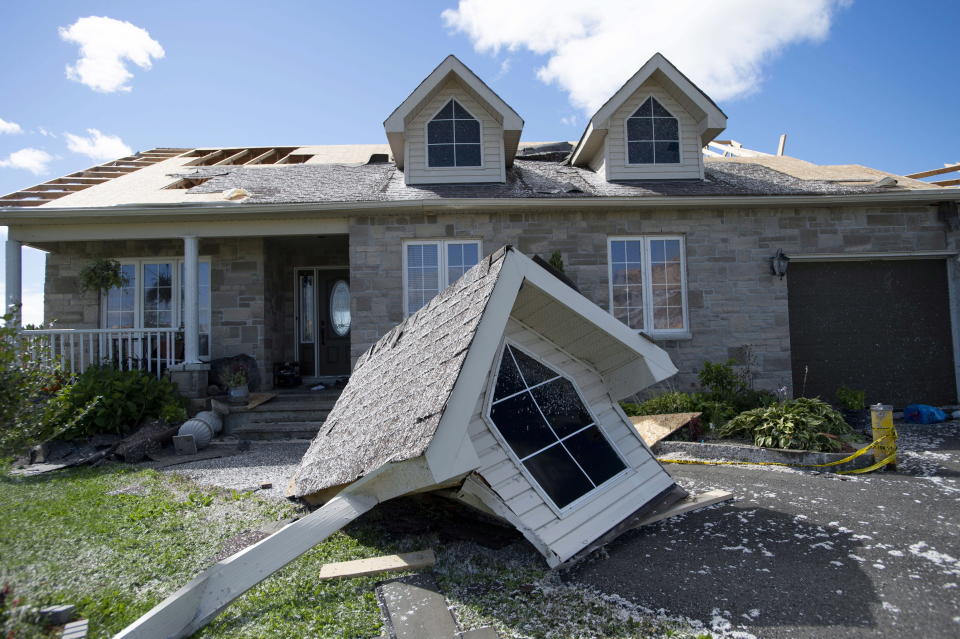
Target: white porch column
{"points": [[191, 300], [13, 275]]}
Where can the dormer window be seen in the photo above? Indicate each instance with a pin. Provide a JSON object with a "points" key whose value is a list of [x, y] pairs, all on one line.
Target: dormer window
{"points": [[653, 135], [453, 138]]}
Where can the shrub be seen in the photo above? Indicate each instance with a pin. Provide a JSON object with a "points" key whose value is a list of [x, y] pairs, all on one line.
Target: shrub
{"points": [[28, 380], [851, 399], [721, 383], [125, 397], [667, 403], [724, 393], [798, 424]]}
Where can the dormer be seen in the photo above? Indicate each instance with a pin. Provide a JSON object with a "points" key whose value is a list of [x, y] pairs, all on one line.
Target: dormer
{"points": [[653, 128], [453, 128]]}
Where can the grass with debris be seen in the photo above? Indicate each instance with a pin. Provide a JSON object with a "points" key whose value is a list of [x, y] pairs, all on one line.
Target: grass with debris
{"points": [[114, 541]]}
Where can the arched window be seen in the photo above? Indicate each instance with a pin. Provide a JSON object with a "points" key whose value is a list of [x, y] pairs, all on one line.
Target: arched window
{"points": [[549, 429], [453, 138], [653, 136]]}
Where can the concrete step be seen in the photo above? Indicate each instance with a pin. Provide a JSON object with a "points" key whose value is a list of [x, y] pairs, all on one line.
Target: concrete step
{"points": [[277, 430], [236, 420]]}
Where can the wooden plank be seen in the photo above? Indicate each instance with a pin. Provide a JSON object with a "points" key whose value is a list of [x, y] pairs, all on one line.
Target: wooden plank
{"points": [[946, 169], [691, 503], [230, 159], [653, 428], [260, 159], [376, 565], [947, 182], [259, 398]]}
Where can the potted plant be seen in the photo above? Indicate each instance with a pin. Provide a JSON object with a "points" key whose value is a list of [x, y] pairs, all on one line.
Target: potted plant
{"points": [[235, 377], [853, 406]]}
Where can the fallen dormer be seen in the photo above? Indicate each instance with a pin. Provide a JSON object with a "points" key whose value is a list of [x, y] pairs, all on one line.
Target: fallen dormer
{"points": [[453, 128], [653, 128]]}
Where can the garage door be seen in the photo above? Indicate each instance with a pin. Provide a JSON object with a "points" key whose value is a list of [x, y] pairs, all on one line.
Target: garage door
{"points": [[880, 326]]}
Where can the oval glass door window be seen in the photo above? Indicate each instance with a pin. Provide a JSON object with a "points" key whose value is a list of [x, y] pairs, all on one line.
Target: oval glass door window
{"points": [[340, 308]]}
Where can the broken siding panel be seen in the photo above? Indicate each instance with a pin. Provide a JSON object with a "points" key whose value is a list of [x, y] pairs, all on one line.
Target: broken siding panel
{"points": [[591, 514], [691, 157], [576, 539], [415, 168]]}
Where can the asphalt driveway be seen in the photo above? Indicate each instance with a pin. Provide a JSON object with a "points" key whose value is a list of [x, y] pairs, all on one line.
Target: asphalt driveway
{"points": [[804, 554]]}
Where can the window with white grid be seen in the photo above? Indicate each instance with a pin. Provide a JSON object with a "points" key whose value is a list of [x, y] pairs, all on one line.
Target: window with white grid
{"points": [[648, 283]]}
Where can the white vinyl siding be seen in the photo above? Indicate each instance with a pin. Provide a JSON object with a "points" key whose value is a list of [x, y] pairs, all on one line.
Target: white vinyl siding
{"points": [[583, 472], [587, 519], [153, 297], [615, 145], [492, 168], [647, 279], [429, 266]]}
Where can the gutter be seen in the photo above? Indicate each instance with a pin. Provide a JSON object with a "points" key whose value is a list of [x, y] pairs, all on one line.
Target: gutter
{"points": [[231, 210]]}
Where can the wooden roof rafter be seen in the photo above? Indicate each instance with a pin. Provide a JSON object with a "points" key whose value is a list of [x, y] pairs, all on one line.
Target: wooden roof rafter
{"points": [[946, 168], [56, 188]]}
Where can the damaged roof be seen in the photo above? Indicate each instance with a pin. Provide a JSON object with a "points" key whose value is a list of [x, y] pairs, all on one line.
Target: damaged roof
{"points": [[364, 173], [393, 403], [526, 179]]}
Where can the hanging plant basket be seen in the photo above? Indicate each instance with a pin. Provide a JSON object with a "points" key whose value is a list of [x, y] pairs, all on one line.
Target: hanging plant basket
{"points": [[101, 275]]}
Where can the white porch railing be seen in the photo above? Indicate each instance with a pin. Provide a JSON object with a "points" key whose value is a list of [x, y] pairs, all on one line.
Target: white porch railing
{"points": [[149, 349]]}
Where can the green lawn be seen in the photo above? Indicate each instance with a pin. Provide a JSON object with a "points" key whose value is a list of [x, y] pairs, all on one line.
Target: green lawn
{"points": [[115, 540]]}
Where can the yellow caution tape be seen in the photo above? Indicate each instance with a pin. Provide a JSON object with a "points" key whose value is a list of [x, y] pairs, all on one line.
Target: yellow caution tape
{"points": [[889, 459]]}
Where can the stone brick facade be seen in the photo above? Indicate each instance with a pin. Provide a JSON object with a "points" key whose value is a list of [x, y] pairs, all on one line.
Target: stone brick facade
{"points": [[736, 308]]}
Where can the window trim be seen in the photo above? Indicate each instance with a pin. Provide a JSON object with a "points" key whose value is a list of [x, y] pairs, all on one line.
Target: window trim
{"points": [[441, 243], [426, 140], [674, 333], [626, 137], [575, 505], [177, 310]]}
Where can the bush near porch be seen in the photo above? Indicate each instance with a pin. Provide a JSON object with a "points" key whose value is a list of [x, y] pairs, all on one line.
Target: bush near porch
{"points": [[39, 401], [119, 400]]}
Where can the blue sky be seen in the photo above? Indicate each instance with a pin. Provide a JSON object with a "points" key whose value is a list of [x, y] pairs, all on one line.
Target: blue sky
{"points": [[868, 82]]}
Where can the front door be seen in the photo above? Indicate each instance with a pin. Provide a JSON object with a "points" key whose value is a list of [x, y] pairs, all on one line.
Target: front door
{"points": [[323, 321]]}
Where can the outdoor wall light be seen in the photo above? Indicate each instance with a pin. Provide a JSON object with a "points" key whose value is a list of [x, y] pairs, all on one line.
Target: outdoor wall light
{"points": [[779, 263]]}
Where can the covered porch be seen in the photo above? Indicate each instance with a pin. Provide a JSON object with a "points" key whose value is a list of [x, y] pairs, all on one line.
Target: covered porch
{"points": [[191, 301]]}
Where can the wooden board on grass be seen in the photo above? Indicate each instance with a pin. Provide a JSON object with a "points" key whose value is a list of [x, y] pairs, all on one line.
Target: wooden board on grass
{"points": [[376, 565]]}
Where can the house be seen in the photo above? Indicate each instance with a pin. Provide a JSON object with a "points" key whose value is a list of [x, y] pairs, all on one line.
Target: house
{"points": [[499, 392], [313, 253]]}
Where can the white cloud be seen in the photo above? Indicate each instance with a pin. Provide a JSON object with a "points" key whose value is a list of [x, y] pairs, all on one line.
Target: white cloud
{"points": [[9, 127], [29, 159], [46, 132], [592, 48], [98, 146], [105, 46]]}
